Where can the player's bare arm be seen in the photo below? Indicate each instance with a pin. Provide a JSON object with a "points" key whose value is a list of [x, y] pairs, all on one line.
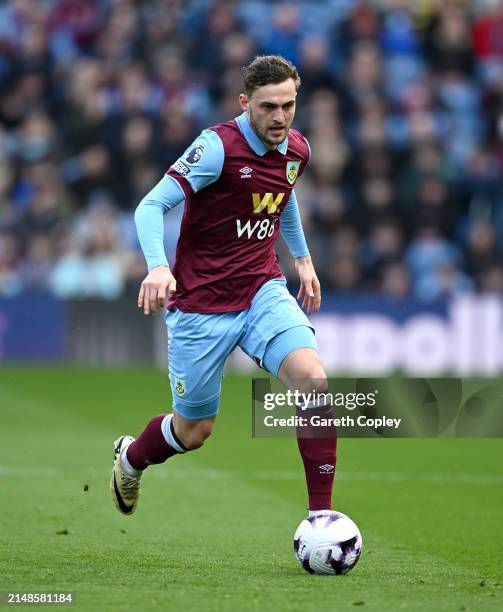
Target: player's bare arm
{"points": [[310, 289], [158, 286]]}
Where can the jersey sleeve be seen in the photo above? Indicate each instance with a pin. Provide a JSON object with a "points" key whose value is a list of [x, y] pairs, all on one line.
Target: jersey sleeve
{"points": [[291, 228], [200, 165], [149, 219]]}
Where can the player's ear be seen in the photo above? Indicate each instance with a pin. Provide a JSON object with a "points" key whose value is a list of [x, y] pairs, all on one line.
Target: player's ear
{"points": [[243, 101]]}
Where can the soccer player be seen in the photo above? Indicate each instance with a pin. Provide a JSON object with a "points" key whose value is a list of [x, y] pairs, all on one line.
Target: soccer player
{"points": [[226, 288]]}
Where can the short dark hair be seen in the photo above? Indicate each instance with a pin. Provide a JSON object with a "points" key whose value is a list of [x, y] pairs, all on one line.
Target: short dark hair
{"points": [[267, 69]]}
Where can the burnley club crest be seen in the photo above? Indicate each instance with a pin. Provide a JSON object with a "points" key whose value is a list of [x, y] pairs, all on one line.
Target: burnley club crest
{"points": [[292, 169]]}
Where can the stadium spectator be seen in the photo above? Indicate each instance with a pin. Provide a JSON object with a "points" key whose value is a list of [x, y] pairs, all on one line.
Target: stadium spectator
{"points": [[395, 280], [401, 103], [10, 278]]}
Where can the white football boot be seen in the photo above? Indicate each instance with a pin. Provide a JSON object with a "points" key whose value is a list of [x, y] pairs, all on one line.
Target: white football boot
{"points": [[125, 488]]}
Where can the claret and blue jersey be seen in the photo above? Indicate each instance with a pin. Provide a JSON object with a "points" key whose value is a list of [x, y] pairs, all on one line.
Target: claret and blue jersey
{"points": [[235, 191]]}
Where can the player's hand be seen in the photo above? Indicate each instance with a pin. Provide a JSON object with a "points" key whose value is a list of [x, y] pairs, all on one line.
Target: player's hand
{"points": [[310, 289], [158, 283]]}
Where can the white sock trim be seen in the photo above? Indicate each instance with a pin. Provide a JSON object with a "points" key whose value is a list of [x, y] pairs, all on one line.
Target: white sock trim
{"points": [[128, 468], [319, 402], [168, 436]]}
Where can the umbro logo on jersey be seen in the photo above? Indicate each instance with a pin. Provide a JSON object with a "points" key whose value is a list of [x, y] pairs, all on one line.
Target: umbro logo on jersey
{"points": [[246, 172]]}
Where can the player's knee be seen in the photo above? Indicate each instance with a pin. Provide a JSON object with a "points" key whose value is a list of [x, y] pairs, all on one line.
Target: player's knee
{"points": [[319, 383], [314, 378], [197, 436]]}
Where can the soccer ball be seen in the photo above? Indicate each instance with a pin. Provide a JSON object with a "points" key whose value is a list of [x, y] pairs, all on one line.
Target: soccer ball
{"points": [[327, 543]]}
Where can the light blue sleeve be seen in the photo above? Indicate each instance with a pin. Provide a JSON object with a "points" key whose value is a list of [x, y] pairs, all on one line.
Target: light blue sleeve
{"points": [[200, 165], [202, 162], [149, 219], [291, 228]]}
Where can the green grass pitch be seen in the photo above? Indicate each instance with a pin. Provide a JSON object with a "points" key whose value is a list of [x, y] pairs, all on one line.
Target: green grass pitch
{"points": [[213, 530]]}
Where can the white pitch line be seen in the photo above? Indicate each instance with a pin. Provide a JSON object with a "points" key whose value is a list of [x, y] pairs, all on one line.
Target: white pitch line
{"points": [[16, 470], [215, 474]]}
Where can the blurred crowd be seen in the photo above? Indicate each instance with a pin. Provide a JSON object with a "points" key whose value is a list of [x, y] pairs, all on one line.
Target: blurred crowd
{"points": [[402, 103]]}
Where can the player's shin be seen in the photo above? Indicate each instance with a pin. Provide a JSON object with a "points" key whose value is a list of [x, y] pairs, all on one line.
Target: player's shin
{"points": [[318, 448], [156, 443]]}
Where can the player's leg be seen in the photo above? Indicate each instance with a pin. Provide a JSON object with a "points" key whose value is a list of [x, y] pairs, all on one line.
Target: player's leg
{"points": [[164, 436], [302, 369], [192, 434], [198, 346], [281, 337], [167, 435]]}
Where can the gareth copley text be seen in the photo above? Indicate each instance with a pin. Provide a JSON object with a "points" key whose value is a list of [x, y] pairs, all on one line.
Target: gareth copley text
{"points": [[320, 421]]}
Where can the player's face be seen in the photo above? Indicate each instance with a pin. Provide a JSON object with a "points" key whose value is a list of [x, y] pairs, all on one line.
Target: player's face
{"points": [[271, 109]]}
